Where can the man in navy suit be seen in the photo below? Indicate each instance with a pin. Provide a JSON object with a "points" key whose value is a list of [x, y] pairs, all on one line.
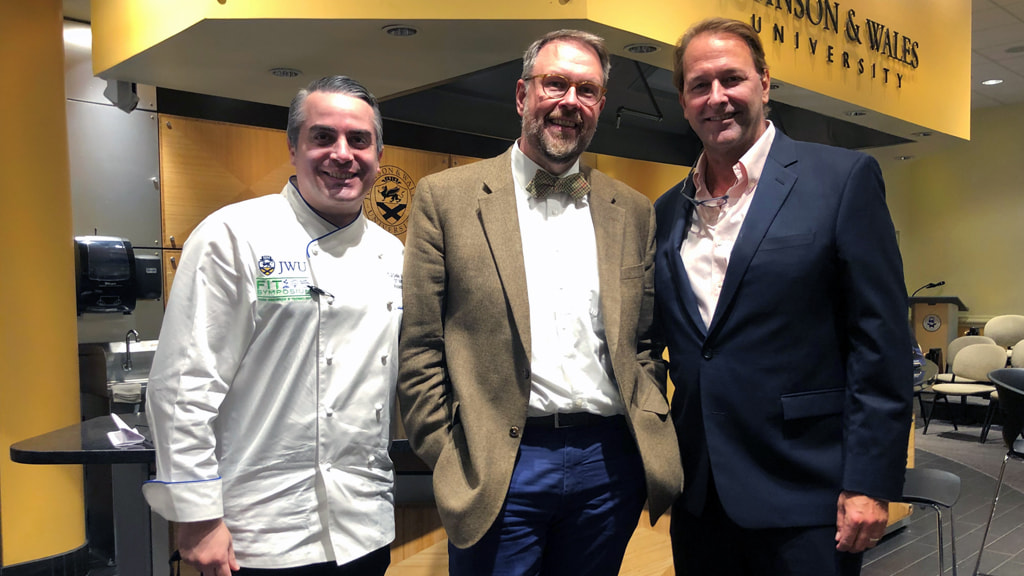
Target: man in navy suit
{"points": [[781, 297]]}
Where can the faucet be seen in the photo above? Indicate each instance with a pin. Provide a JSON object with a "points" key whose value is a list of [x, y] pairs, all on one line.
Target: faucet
{"points": [[127, 364]]}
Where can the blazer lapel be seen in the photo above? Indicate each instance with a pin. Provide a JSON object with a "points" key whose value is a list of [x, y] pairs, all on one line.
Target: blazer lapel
{"points": [[680, 226], [772, 190], [500, 221], [609, 231]]}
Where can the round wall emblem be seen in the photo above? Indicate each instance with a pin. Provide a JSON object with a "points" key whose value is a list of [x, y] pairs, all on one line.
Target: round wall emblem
{"points": [[931, 322], [387, 204]]}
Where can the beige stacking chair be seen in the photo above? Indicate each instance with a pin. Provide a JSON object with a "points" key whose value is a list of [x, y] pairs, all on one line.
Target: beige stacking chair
{"points": [[993, 400], [1007, 330], [970, 377], [955, 346]]}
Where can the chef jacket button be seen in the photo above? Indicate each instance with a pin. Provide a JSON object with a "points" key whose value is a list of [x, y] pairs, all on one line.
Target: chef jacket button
{"points": [[378, 406], [330, 412], [327, 466], [514, 432], [384, 360], [389, 306], [330, 360]]}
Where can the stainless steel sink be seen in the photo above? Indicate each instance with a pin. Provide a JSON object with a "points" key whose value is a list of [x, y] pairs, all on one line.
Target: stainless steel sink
{"points": [[128, 373]]}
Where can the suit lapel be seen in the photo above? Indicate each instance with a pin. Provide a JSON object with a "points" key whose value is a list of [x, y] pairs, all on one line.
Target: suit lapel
{"points": [[500, 220], [772, 190], [609, 232], [680, 226]]}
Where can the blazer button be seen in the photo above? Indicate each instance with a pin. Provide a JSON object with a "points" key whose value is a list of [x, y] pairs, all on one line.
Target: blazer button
{"points": [[708, 355], [513, 432]]}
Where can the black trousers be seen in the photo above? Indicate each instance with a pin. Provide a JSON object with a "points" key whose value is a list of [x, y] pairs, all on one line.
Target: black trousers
{"points": [[373, 564]]}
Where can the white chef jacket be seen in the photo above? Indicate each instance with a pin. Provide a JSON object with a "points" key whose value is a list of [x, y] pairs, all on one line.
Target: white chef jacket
{"points": [[271, 392]]}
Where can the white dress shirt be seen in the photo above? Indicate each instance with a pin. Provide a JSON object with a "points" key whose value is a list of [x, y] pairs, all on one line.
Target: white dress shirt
{"points": [[713, 230], [569, 354], [270, 403]]}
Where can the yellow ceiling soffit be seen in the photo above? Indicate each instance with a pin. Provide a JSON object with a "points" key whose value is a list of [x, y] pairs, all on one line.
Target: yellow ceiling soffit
{"points": [[125, 28], [925, 82]]}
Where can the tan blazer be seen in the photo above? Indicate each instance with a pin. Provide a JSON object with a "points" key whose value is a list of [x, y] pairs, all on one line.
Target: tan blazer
{"points": [[464, 376]]}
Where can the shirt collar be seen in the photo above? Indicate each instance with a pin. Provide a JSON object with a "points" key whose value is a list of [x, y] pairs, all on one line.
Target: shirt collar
{"points": [[315, 225], [749, 166]]}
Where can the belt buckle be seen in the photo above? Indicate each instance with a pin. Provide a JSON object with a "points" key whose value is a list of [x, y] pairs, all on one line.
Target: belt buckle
{"points": [[558, 421]]}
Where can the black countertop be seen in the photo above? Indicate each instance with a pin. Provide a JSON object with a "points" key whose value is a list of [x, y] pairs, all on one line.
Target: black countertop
{"points": [[87, 443]]}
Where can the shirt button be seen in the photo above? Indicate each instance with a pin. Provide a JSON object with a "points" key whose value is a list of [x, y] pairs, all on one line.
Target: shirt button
{"points": [[330, 412], [330, 360], [384, 360], [327, 466], [314, 250], [513, 432]]}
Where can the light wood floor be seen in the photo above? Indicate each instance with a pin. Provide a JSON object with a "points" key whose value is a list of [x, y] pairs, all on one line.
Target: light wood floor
{"points": [[649, 554]]}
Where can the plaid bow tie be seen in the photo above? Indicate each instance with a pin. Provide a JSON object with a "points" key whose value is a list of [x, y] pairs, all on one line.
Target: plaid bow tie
{"points": [[576, 185]]}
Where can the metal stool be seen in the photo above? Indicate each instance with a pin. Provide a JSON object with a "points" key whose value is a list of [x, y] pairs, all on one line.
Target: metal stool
{"points": [[1010, 382], [937, 489]]}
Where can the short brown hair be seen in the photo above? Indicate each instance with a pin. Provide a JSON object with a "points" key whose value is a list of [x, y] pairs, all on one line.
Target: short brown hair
{"points": [[738, 28], [595, 42]]}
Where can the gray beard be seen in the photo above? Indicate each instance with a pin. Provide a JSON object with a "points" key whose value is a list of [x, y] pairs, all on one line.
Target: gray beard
{"points": [[554, 149]]}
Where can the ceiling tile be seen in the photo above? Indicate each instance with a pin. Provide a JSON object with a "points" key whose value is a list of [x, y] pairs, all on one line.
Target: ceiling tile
{"points": [[988, 19]]}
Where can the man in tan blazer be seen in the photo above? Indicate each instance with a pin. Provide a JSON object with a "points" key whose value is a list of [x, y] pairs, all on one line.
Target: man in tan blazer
{"points": [[528, 380]]}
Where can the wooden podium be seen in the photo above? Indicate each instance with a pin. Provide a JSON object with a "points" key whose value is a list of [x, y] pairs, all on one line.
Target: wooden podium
{"points": [[935, 321]]}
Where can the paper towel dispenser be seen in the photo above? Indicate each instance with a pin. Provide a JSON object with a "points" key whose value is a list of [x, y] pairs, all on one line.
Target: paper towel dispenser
{"points": [[104, 274]]}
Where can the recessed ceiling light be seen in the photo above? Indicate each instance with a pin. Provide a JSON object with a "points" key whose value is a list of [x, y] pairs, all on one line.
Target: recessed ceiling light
{"points": [[855, 113], [991, 82], [285, 72], [904, 157], [400, 30], [921, 134], [641, 48]]}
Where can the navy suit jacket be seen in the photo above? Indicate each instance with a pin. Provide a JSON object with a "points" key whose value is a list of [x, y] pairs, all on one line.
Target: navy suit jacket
{"points": [[801, 385]]}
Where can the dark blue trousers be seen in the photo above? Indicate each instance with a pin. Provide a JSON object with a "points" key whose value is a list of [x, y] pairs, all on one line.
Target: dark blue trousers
{"points": [[574, 501], [713, 545]]}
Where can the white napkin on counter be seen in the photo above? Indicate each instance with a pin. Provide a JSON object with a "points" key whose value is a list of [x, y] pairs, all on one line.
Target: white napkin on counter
{"points": [[125, 435]]}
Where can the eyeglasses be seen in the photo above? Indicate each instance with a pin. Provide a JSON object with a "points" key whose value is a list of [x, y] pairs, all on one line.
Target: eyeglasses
{"points": [[710, 202], [557, 86]]}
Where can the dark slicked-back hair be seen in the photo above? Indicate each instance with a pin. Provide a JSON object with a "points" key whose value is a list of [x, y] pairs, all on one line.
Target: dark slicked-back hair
{"points": [[586, 38], [334, 85], [738, 28]]}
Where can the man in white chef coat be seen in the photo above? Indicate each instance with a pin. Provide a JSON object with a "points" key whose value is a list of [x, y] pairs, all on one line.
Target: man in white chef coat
{"points": [[270, 396]]}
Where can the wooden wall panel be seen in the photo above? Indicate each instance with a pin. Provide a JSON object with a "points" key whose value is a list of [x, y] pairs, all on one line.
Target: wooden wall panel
{"points": [[205, 165], [171, 260], [388, 202]]}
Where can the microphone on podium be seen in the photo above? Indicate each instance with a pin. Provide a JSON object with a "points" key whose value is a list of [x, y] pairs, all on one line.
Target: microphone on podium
{"points": [[929, 285]]}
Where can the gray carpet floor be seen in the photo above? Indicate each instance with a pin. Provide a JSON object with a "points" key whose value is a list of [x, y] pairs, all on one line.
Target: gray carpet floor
{"points": [[963, 447], [911, 549]]}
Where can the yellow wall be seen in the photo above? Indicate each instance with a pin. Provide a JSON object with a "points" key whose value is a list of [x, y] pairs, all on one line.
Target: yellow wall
{"points": [[960, 214], [41, 507], [650, 178]]}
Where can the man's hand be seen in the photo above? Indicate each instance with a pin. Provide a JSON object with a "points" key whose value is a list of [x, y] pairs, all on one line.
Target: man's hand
{"points": [[206, 546], [860, 522]]}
